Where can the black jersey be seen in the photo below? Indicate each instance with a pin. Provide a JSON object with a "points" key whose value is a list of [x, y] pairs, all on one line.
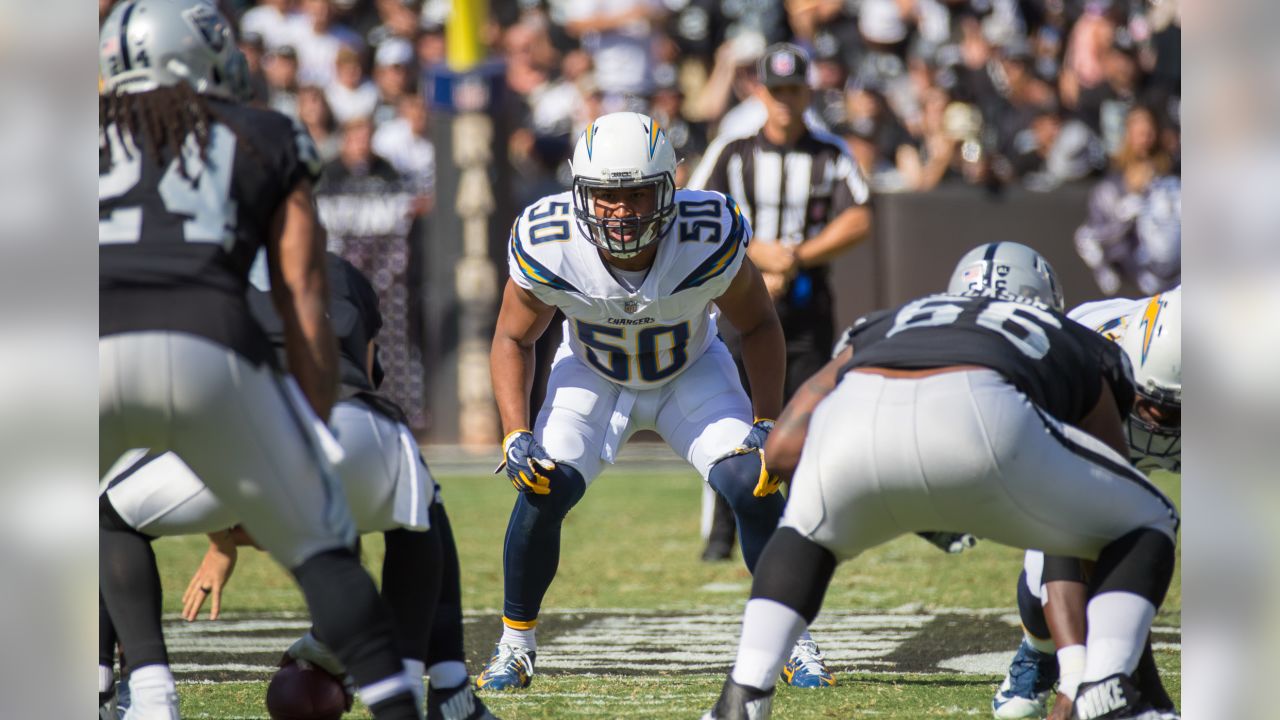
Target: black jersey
{"points": [[174, 250], [353, 312], [1056, 362]]}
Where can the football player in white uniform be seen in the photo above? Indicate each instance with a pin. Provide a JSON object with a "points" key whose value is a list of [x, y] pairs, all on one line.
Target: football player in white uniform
{"points": [[640, 270]]}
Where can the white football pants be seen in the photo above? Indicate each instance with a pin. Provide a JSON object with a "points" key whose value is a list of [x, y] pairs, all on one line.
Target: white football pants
{"points": [[383, 477], [702, 413], [961, 452], [235, 425]]}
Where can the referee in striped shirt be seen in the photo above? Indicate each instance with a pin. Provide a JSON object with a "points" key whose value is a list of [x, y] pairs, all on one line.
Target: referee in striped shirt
{"points": [[807, 203]]}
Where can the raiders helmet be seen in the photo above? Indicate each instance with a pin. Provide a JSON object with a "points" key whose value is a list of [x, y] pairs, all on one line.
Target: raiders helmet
{"points": [[1010, 268], [146, 44]]}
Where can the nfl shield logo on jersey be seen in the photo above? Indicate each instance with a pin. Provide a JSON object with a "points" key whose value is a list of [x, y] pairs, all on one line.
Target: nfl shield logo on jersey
{"points": [[631, 306]]}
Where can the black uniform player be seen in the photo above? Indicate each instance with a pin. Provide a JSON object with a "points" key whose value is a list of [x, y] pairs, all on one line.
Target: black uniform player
{"points": [[987, 414], [190, 186], [385, 482]]}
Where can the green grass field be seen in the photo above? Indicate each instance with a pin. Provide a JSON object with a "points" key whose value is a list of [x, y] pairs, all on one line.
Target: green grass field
{"points": [[632, 547]]}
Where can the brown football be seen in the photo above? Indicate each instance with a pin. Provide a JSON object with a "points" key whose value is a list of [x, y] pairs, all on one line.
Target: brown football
{"points": [[300, 691]]}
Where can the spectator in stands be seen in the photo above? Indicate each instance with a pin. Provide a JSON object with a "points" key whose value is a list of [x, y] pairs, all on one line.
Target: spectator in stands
{"points": [[281, 70], [1055, 149], [732, 81], [251, 44], [1108, 241], [395, 19], [404, 143], [688, 138], [317, 38], [351, 95], [1105, 106], [876, 138], [429, 47], [313, 113], [1023, 96], [936, 155], [357, 168], [1083, 67], [617, 35], [270, 19], [392, 76]]}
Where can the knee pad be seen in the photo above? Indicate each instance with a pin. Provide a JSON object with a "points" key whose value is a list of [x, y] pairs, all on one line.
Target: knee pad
{"points": [[735, 478], [567, 488], [1140, 563]]}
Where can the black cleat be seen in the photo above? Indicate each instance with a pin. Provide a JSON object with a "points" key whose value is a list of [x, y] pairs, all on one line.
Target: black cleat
{"points": [[741, 702], [1112, 698]]}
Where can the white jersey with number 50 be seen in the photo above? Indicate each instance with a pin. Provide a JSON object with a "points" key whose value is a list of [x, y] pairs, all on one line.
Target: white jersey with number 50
{"points": [[644, 338]]}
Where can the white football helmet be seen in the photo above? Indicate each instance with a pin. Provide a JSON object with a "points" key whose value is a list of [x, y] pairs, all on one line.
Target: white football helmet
{"points": [[1153, 341], [1010, 268], [146, 44], [624, 150]]}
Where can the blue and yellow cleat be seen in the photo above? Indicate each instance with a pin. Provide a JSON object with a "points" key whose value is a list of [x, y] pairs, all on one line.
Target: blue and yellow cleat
{"points": [[510, 668], [807, 668], [1028, 685]]}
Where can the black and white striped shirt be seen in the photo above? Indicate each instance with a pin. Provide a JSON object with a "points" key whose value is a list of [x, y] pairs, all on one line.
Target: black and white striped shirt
{"points": [[788, 193]]}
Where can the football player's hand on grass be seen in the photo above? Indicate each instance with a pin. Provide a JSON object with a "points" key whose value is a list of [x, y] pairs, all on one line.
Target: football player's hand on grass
{"points": [[214, 572], [527, 462]]}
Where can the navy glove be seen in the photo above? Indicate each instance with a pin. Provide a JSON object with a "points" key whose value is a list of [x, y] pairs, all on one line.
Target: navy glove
{"points": [[768, 483], [527, 463]]}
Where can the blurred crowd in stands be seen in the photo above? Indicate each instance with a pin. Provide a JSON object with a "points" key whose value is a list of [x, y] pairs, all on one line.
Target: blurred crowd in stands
{"points": [[993, 93]]}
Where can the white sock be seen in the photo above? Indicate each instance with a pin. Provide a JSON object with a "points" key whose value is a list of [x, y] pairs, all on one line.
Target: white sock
{"points": [[805, 635], [151, 676], [526, 639], [1071, 662], [104, 678], [388, 687], [1118, 626], [447, 674], [769, 631]]}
